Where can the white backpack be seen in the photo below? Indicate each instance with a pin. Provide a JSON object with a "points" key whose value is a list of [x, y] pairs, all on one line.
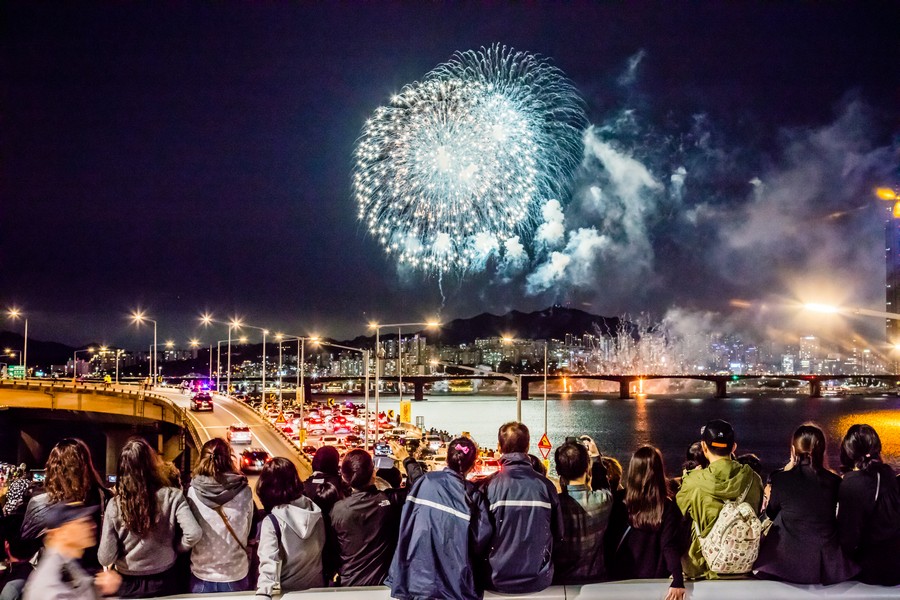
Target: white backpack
{"points": [[732, 545]]}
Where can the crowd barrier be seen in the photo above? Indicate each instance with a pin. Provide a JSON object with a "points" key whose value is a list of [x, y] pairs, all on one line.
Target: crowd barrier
{"points": [[643, 589]]}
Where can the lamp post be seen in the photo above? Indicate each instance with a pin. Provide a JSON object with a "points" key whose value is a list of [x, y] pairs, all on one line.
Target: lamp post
{"points": [[301, 357], [15, 313], [75, 363], [366, 359], [235, 323], [138, 317], [377, 327], [118, 354], [219, 363], [265, 332]]}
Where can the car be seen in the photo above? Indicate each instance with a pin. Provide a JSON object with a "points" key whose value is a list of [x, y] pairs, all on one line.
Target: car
{"points": [[308, 449], [436, 463], [201, 401], [484, 467], [434, 442], [254, 459], [239, 433], [330, 440]]}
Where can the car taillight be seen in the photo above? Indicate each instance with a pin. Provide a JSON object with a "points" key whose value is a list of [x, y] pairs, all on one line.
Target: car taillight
{"points": [[268, 458], [246, 461]]}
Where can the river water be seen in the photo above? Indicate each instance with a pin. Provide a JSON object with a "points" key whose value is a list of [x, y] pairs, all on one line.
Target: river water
{"points": [[763, 421]]}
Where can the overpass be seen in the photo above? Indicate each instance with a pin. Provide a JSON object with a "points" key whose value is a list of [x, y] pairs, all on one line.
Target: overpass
{"points": [[187, 431], [626, 382]]}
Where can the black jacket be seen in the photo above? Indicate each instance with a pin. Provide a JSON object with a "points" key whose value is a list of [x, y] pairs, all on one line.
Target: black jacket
{"points": [[869, 529], [802, 544], [642, 553], [365, 525], [524, 508]]}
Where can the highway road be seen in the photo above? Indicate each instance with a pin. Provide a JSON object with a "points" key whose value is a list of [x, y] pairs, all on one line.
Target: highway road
{"points": [[225, 412]]}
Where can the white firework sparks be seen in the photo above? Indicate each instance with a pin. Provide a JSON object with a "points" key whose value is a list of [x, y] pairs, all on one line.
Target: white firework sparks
{"points": [[458, 165]]}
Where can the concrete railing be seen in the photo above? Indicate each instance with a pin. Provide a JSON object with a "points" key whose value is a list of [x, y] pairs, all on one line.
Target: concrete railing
{"points": [[744, 589]]}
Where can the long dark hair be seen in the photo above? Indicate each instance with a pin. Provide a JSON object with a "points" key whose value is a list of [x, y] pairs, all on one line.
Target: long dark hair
{"points": [[861, 448], [645, 488], [70, 472], [216, 459], [137, 484], [278, 483], [461, 455], [808, 444]]}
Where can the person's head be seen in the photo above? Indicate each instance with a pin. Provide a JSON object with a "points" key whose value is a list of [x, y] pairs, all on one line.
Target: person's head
{"points": [[808, 446], [278, 483], [327, 460], [538, 465], [613, 472], [357, 469], [391, 476], [645, 488], [513, 437], [16, 548], [694, 457], [169, 474], [717, 439], [327, 495], [69, 527], [860, 448], [752, 461], [216, 459], [572, 462], [461, 455], [70, 473], [137, 483]]}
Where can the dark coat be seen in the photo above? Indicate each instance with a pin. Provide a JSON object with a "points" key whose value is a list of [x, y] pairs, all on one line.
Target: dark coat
{"points": [[526, 518], [869, 528], [644, 553], [802, 544], [444, 529]]}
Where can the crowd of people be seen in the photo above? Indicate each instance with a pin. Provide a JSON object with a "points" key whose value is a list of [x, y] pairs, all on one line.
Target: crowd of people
{"points": [[440, 535]]}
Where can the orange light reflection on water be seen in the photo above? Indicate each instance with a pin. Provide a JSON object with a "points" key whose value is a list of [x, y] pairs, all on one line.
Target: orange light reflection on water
{"points": [[885, 422]]}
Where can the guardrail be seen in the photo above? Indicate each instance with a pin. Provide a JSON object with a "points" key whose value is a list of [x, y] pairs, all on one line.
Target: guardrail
{"points": [[742, 589]]}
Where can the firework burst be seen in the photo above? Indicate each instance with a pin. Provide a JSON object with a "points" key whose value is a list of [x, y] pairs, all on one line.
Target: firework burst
{"points": [[459, 164]]}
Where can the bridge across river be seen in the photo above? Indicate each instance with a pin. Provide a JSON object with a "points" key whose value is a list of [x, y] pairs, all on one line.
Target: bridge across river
{"points": [[626, 383]]}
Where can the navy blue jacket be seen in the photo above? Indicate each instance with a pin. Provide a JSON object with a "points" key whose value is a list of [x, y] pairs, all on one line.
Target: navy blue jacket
{"points": [[524, 508], [444, 530]]}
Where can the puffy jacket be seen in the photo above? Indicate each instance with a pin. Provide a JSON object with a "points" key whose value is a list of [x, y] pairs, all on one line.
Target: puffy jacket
{"points": [[703, 494], [444, 528], [524, 509], [217, 557], [294, 561]]}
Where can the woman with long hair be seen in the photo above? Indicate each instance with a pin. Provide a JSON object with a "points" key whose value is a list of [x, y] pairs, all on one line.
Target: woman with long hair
{"points": [[444, 532], [70, 476], [222, 503], [139, 528], [802, 544], [642, 539], [291, 536], [869, 508]]}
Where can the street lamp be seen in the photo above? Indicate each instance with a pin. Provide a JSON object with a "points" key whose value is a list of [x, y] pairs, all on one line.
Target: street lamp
{"points": [[138, 317], [75, 362], [510, 340], [235, 323], [377, 327], [12, 353], [366, 359], [301, 357], [15, 313]]}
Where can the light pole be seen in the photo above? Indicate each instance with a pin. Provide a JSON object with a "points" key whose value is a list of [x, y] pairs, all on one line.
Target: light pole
{"points": [[377, 327], [510, 340], [75, 363], [219, 364], [15, 313], [235, 323], [366, 359], [301, 357], [265, 332], [138, 317], [118, 354]]}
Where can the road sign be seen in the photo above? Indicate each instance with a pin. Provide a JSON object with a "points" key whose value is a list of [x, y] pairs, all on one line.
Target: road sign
{"points": [[544, 446], [406, 411], [16, 371], [281, 418]]}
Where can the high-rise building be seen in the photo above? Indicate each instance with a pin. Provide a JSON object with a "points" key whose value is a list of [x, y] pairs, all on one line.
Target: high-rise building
{"points": [[892, 276]]}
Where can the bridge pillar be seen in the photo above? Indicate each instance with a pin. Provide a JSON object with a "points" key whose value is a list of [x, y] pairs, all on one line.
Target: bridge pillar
{"points": [[815, 388], [523, 383], [115, 441], [625, 389], [721, 388], [418, 390]]}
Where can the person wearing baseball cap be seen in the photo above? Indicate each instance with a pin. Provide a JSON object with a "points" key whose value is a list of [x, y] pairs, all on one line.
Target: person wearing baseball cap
{"points": [[704, 491], [68, 529]]}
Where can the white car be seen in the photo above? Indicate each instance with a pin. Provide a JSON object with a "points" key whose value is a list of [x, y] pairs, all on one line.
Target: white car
{"points": [[436, 463], [239, 433]]}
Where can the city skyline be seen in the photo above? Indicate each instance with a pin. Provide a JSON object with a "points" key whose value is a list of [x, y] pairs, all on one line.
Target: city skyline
{"points": [[199, 158]]}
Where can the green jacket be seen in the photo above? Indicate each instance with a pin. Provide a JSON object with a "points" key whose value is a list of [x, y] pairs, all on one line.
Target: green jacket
{"points": [[703, 493]]}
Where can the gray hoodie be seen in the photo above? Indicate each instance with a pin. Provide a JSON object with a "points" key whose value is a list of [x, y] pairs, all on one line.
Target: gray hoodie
{"points": [[300, 550], [217, 556]]}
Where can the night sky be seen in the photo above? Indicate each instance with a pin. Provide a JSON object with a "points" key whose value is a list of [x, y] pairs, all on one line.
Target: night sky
{"points": [[184, 157]]}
